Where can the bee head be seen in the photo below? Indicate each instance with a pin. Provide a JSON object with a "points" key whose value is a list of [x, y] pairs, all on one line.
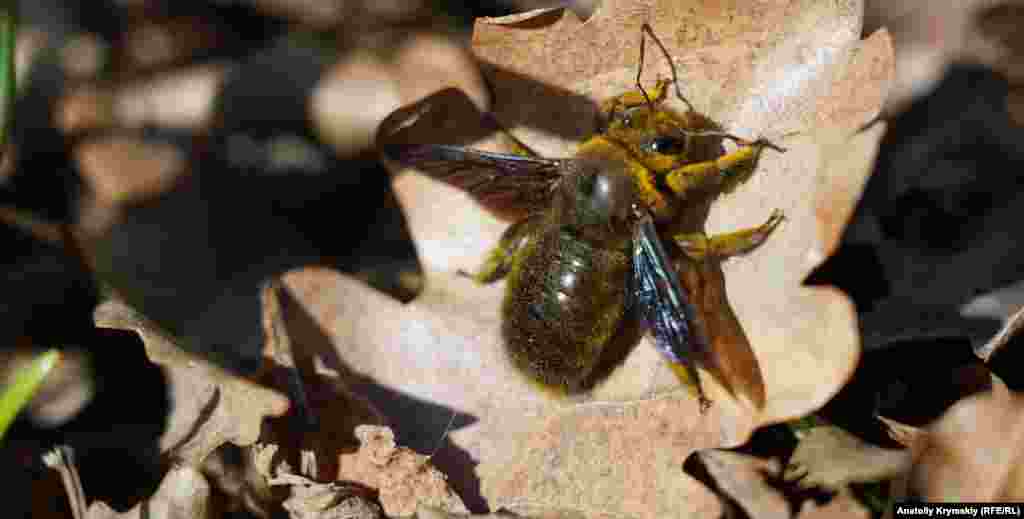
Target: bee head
{"points": [[658, 137]]}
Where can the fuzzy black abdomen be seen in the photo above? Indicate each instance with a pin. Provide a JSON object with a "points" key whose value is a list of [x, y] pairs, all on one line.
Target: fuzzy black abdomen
{"points": [[564, 302]]}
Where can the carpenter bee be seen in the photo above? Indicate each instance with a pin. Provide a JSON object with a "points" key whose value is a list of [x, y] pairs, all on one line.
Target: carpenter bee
{"points": [[590, 261]]}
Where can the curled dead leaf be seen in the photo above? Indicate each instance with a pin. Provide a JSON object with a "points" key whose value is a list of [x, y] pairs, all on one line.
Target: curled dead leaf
{"points": [[183, 494], [208, 406], [973, 452], [426, 512], [312, 500], [1011, 328], [744, 478], [906, 435], [829, 457], [326, 410], [235, 473], [404, 479]]}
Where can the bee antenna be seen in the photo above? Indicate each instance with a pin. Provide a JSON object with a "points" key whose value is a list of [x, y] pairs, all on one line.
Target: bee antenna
{"points": [[444, 435], [640, 67], [646, 28]]}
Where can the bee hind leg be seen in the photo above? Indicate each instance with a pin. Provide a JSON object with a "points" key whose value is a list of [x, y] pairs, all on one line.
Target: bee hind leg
{"points": [[722, 174], [499, 259], [699, 246]]}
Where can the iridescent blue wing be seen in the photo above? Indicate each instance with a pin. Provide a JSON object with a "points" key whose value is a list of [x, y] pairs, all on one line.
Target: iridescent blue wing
{"points": [[662, 304], [498, 181]]}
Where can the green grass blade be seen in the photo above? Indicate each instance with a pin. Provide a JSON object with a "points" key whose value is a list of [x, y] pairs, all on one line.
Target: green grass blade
{"points": [[8, 83], [23, 385]]}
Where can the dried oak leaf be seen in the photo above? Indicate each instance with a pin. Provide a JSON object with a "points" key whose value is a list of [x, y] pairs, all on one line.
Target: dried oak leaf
{"points": [[906, 435], [842, 506], [326, 410], [361, 89], [208, 406], [312, 500], [235, 473], [829, 457], [973, 452], [795, 72], [404, 479], [183, 494], [743, 478], [426, 512]]}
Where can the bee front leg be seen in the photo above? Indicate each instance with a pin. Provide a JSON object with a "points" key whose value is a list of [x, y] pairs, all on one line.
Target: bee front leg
{"points": [[499, 259], [699, 246], [722, 174]]}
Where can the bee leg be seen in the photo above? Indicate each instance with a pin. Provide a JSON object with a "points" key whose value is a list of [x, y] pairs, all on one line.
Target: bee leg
{"points": [[699, 246], [499, 259], [724, 173], [689, 376]]}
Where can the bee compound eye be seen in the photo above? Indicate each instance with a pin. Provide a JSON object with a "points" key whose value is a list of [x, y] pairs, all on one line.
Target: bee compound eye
{"points": [[666, 144]]}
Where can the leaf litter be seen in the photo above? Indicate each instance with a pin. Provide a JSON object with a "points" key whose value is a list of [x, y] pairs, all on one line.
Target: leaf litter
{"points": [[586, 457], [209, 406]]}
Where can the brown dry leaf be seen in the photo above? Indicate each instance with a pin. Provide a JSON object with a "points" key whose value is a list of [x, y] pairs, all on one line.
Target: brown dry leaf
{"points": [[783, 71], [350, 14], [181, 99], [422, 65], [829, 457], [208, 407], [120, 171], [842, 506], [913, 438], [153, 42], [743, 477], [1010, 329], [183, 494], [83, 55], [973, 452], [327, 411], [404, 479], [930, 35], [312, 500], [126, 169], [235, 473], [426, 512], [907, 435]]}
